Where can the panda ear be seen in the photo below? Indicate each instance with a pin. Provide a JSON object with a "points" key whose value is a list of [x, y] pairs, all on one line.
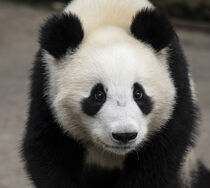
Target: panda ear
{"points": [[153, 28], [60, 33]]}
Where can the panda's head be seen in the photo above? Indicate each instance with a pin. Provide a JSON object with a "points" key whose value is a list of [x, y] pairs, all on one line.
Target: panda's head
{"points": [[109, 85]]}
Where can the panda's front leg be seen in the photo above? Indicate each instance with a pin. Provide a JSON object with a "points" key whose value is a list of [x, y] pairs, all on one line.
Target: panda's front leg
{"points": [[48, 170], [52, 159]]}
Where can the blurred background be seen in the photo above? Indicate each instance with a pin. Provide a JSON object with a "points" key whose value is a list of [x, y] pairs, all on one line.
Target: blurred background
{"points": [[19, 27]]}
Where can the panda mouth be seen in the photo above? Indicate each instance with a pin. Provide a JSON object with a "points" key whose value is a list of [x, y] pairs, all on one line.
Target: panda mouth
{"points": [[124, 147], [118, 147]]}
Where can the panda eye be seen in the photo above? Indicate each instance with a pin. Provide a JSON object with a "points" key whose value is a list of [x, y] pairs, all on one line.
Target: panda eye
{"points": [[137, 95], [138, 92], [99, 96]]}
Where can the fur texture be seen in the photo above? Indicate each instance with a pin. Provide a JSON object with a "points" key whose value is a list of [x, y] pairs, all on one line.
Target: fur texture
{"points": [[112, 46]]}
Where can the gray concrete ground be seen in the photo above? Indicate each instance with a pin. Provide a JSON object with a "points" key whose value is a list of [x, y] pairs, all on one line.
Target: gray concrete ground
{"points": [[19, 27]]}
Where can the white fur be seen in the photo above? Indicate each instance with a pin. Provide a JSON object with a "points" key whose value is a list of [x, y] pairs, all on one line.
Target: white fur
{"points": [[104, 159]]}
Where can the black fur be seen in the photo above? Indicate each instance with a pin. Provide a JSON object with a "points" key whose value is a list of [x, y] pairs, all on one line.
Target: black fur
{"points": [[153, 28], [53, 159], [90, 105], [145, 104], [61, 33]]}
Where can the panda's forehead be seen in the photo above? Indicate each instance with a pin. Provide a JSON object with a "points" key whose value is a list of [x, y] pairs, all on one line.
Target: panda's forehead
{"points": [[111, 55]]}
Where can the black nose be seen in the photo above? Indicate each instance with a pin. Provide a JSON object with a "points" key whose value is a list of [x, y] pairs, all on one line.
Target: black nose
{"points": [[124, 137]]}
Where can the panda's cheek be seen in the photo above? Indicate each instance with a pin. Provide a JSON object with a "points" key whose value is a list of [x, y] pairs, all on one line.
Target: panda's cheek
{"points": [[99, 131], [142, 129]]}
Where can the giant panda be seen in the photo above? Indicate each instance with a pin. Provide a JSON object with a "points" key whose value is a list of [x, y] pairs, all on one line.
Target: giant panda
{"points": [[112, 103]]}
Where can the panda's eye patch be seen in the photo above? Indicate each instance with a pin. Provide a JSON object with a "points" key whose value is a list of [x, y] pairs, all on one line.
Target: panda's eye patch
{"points": [[143, 101], [98, 94], [92, 104]]}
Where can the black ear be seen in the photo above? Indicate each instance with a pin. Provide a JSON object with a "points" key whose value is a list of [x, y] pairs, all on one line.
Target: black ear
{"points": [[153, 28], [60, 33]]}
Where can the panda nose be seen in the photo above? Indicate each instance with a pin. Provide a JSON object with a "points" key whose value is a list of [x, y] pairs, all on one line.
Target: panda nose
{"points": [[124, 137]]}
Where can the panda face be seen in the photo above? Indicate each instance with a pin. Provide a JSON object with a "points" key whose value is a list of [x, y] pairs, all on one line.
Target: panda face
{"points": [[113, 92], [119, 115]]}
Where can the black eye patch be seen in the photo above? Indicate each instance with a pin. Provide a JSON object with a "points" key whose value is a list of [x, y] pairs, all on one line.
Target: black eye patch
{"points": [[143, 101], [95, 101]]}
